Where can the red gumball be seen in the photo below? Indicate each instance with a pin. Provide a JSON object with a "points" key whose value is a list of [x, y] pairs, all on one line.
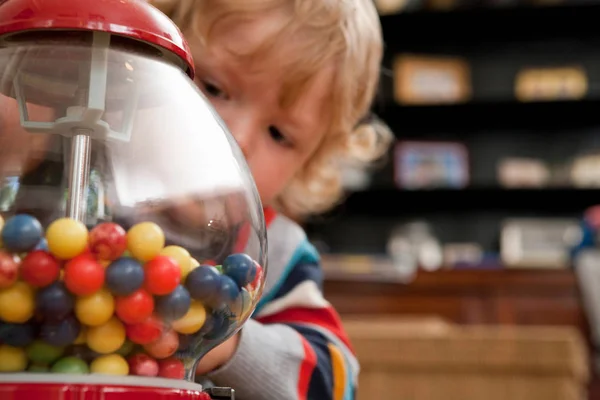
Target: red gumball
{"points": [[163, 275], [142, 365], [145, 332], [9, 269], [135, 308], [40, 268], [108, 241], [84, 275], [257, 279], [171, 368]]}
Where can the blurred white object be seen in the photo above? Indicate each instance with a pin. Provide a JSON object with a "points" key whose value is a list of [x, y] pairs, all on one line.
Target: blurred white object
{"points": [[523, 173], [412, 246]]}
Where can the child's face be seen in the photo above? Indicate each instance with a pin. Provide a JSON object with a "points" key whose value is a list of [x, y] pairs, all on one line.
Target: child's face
{"points": [[276, 142]]}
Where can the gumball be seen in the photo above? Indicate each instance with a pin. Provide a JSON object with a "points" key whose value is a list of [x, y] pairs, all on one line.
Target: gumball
{"points": [[203, 283], [107, 241], [135, 308], [162, 275], [70, 365], [95, 309], [145, 240], [1, 223], [54, 302], [40, 268], [111, 364], [192, 321], [145, 332], [83, 275], [173, 305], [142, 365], [60, 333], [126, 349], [218, 327], [228, 291], [257, 279], [12, 359], [9, 269], [106, 338], [240, 267], [66, 238], [43, 353], [171, 368], [17, 335], [21, 233], [17, 303], [124, 276], [165, 346], [241, 305], [181, 256]]}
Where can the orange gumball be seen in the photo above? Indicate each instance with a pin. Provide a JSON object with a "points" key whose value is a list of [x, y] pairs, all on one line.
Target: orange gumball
{"points": [[165, 346]]}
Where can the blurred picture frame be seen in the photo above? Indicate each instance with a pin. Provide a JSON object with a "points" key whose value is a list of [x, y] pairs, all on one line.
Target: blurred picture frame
{"points": [[431, 165]]}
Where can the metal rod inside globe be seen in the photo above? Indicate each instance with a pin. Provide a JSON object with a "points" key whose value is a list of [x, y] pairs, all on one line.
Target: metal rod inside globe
{"points": [[79, 172]]}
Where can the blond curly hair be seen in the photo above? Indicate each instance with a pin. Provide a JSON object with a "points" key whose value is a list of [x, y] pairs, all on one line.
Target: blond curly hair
{"points": [[347, 32]]}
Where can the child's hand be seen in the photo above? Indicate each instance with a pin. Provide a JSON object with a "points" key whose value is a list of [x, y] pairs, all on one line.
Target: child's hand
{"points": [[218, 356]]}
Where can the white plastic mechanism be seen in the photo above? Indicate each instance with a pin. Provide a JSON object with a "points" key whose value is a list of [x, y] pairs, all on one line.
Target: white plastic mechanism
{"points": [[85, 120]]}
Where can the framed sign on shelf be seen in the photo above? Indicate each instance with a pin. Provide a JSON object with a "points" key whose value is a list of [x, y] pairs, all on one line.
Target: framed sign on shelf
{"points": [[426, 165]]}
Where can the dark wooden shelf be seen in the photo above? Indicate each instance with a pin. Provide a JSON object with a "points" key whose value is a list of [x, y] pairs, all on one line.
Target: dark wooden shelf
{"points": [[477, 26], [478, 117], [388, 202]]}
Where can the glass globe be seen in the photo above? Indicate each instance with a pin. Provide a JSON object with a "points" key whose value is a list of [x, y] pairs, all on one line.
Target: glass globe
{"points": [[132, 235]]}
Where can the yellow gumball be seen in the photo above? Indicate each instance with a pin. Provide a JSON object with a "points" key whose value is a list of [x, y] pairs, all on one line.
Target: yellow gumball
{"points": [[194, 263], [145, 240], [17, 303], [95, 309], [181, 256], [192, 321], [12, 359], [66, 238], [106, 338], [112, 364]]}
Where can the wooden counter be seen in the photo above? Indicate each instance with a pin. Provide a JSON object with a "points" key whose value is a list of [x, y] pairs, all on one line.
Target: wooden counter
{"points": [[467, 296]]}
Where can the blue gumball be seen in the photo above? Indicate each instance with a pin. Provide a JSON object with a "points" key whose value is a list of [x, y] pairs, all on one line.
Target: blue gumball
{"points": [[241, 268], [17, 335], [124, 276], [228, 292], [62, 333], [174, 305], [54, 302], [203, 283], [21, 233]]}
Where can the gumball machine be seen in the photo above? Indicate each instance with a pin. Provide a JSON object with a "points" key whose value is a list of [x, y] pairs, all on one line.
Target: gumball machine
{"points": [[132, 238]]}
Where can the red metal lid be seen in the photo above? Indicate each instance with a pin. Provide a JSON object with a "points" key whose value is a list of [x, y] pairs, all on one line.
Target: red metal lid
{"points": [[62, 391], [135, 19]]}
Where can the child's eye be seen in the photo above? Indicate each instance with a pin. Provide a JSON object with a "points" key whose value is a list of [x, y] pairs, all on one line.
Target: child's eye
{"points": [[211, 89], [278, 137]]}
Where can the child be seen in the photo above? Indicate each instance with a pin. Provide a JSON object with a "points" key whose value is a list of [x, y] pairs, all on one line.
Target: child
{"points": [[293, 80]]}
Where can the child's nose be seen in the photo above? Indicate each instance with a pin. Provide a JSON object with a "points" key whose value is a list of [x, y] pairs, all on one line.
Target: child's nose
{"points": [[244, 132]]}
